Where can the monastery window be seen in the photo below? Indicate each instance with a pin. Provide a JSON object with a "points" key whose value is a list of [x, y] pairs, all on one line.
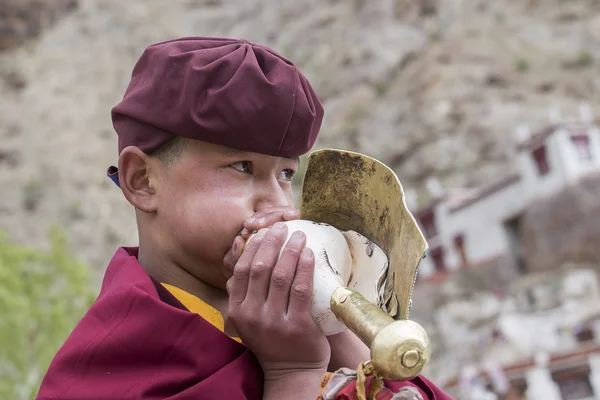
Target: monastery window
{"points": [[584, 334], [437, 256], [574, 382], [531, 299], [427, 220], [518, 389], [541, 160], [582, 146], [576, 389]]}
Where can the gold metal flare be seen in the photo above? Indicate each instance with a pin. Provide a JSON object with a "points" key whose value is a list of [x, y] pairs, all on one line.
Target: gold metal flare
{"points": [[399, 348], [353, 192]]}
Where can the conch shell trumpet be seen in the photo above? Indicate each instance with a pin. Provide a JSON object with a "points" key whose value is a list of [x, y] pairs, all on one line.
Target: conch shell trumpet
{"points": [[367, 248]]}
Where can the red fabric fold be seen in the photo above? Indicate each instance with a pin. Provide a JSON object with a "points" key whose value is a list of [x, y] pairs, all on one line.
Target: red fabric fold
{"points": [[420, 385], [342, 386], [138, 342]]}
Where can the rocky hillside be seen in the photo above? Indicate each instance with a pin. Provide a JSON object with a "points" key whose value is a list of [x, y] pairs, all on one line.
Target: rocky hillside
{"points": [[429, 87], [564, 228], [25, 20]]}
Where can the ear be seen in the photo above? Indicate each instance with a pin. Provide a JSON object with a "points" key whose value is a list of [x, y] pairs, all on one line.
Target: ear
{"points": [[135, 179]]}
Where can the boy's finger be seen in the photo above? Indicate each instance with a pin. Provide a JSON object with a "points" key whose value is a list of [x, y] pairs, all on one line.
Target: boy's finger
{"points": [[302, 286], [267, 217], [283, 273], [263, 221], [262, 264], [291, 215], [238, 286]]}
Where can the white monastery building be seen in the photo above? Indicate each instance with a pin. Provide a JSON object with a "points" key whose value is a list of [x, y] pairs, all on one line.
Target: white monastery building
{"points": [[542, 338], [468, 227]]}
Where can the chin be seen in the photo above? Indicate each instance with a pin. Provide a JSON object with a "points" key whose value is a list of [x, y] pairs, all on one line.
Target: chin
{"points": [[221, 284]]}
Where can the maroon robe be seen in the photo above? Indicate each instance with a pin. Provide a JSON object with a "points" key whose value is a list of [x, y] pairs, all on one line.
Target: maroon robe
{"points": [[138, 341]]}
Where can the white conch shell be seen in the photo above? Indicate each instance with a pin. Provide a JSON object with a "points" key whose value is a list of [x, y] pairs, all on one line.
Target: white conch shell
{"points": [[342, 258]]}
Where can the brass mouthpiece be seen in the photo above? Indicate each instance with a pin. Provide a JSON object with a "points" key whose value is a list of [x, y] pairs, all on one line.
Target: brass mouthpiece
{"points": [[399, 348]]}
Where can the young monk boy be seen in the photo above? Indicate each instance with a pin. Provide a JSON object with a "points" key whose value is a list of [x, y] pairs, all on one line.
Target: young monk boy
{"points": [[210, 131]]}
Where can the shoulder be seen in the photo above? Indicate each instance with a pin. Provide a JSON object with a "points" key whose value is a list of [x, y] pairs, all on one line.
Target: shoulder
{"points": [[135, 340], [122, 341], [128, 308]]}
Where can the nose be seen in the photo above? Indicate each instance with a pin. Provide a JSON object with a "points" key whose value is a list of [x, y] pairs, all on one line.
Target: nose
{"points": [[271, 194]]}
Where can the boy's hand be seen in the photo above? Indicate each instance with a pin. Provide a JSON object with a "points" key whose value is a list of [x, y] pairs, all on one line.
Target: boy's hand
{"points": [[261, 219], [267, 217], [270, 304]]}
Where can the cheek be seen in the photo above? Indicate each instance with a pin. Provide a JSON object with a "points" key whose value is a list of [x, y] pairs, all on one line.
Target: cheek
{"points": [[210, 218], [291, 197]]}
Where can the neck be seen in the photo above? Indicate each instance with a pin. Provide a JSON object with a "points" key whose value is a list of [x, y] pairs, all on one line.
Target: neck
{"points": [[173, 274]]}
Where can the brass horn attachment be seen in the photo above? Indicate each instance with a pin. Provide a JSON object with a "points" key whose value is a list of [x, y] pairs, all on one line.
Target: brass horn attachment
{"points": [[399, 348], [354, 192]]}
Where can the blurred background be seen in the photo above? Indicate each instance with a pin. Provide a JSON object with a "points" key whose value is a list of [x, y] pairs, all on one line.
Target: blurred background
{"points": [[486, 111]]}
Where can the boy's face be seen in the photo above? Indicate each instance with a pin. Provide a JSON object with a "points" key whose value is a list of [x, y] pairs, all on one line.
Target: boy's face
{"points": [[199, 202]]}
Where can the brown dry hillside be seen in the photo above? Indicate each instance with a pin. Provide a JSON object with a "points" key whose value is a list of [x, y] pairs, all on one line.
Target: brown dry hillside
{"points": [[430, 87]]}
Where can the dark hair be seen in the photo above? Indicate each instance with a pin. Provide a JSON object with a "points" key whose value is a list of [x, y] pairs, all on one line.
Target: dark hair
{"points": [[170, 151]]}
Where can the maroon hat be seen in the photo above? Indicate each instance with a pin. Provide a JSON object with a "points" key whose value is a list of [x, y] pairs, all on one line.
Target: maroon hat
{"points": [[222, 91]]}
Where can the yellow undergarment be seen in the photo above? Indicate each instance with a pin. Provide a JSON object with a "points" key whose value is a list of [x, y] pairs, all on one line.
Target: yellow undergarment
{"points": [[196, 305]]}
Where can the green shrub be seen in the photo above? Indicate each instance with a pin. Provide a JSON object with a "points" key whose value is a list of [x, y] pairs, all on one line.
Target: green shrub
{"points": [[522, 64], [43, 294], [584, 58]]}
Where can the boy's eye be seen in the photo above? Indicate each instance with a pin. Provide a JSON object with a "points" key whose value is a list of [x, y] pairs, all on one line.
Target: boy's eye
{"points": [[287, 174], [243, 166]]}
